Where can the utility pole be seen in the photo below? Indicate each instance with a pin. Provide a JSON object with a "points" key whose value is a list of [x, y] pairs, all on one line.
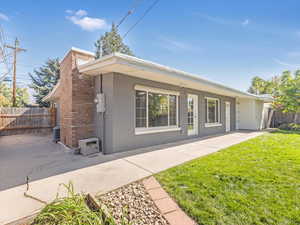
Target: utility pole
{"points": [[16, 49]]}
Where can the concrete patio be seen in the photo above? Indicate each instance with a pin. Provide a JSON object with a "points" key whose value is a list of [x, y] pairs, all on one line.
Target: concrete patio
{"points": [[111, 171], [38, 157]]}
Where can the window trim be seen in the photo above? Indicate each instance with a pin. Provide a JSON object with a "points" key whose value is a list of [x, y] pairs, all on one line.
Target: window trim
{"points": [[155, 90], [149, 130], [213, 124]]}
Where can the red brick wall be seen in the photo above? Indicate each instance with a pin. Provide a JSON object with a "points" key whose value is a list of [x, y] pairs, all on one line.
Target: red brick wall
{"points": [[76, 101]]}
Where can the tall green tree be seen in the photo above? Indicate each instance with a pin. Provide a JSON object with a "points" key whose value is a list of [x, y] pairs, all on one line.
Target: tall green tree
{"points": [[5, 96], [111, 42], [259, 86], [22, 96], [44, 79], [287, 98]]}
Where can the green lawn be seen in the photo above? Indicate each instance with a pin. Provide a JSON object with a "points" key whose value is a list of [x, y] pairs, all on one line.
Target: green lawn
{"points": [[255, 182]]}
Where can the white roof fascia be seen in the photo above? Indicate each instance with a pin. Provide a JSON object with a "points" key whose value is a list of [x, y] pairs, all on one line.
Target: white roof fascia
{"points": [[83, 51], [48, 97], [77, 50], [133, 61]]}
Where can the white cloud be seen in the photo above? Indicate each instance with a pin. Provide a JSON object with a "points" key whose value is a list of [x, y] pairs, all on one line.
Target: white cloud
{"points": [[81, 19], [222, 21], [246, 22], [3, 17], [175, 45], [285, 63], [213, 19], [81, 12]]}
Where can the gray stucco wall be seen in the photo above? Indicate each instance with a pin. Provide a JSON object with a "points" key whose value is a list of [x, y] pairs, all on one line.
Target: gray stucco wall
{"points": [[107, 127], [120, 114]]}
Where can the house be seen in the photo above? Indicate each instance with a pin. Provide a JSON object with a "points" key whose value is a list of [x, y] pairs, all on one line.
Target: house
{"points": [[145, 103]]}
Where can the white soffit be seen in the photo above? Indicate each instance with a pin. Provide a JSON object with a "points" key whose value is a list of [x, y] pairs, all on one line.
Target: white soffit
{"points": [[135, 67]]}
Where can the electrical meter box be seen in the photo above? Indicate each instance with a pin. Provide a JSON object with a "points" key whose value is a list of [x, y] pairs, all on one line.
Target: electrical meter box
{"points": [[100, 100]]}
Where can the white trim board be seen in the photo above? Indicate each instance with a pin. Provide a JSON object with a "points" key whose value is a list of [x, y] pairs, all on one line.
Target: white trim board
{"points": [[219, 112], [156, 90], [133, 66]]}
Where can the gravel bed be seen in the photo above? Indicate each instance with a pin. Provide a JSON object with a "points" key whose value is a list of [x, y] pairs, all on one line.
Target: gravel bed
{"points": [[135, 204]]}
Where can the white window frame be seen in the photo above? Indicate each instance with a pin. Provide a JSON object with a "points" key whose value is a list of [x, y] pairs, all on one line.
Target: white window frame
{"points": [[214, 124], [149, 130]]}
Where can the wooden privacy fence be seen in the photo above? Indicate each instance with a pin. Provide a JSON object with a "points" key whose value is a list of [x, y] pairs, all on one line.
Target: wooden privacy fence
{"points": [[26, 118], [282, 118]]}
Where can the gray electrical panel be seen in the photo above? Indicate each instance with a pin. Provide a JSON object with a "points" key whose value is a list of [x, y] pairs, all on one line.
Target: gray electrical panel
{"points": [[100, 101]]}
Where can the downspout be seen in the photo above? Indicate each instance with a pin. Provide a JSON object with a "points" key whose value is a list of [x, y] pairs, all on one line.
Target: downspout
{"points": [[103, 119]]}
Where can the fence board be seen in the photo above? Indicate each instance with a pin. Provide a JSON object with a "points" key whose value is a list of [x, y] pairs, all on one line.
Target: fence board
{"points": [[26, 118], [281, 118]]}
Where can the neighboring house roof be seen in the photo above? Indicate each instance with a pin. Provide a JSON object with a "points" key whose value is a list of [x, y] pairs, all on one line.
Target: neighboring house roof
{"points": [[136, 67], [53, 94], [80, 51]]}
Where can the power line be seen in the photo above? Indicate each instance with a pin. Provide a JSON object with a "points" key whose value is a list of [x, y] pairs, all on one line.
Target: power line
{"points": [[135, 5], [27, 65], [141, 18], [16, 50], [4, 54]]}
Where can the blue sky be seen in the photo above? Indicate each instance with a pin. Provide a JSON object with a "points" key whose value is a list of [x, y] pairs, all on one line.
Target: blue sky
{"points": [[226, 41]]}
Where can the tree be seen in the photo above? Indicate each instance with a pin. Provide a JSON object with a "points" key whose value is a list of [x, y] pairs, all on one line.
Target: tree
{"points": [[111, 42], [287, 98], [259, 86], [22, 96], [44, 79], [5, 94], [4, 102]]}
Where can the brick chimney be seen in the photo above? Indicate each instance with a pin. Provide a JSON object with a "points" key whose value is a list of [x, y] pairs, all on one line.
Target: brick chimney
{"points": [[76, 99]]}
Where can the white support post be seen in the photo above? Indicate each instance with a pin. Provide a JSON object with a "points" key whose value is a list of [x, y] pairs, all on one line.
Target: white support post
{"points": [[237, 113]]}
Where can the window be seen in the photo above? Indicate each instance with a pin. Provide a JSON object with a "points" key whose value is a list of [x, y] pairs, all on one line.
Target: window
{"points": [[173, 109], [158, 111], [140, 108], [155, 109], [212, 110]]}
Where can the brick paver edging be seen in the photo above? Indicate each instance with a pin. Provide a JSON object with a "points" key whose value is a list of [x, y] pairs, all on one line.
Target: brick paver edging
{"points": [[165, 203]]}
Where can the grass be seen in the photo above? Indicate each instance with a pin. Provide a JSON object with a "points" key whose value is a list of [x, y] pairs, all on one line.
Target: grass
{"points": [[73, 210], [255, 182]]}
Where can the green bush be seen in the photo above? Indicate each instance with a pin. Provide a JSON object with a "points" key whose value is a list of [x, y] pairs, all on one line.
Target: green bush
{"points": [[72, 210], [290, 126]]}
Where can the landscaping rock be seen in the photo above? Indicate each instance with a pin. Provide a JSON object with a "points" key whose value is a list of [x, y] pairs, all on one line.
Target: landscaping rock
{"points": [[133, 203]]}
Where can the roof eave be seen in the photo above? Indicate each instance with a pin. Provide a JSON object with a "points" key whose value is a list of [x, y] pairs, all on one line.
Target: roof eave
{"points": [[51, 96], [116, 57]]}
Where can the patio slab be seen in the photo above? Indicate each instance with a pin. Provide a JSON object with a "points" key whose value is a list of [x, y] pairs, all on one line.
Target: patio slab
{"points": [[171, 156], [110, 175]]}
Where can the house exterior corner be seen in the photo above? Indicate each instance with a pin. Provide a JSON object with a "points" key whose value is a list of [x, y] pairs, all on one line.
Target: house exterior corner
{"points": [[146, 104]]}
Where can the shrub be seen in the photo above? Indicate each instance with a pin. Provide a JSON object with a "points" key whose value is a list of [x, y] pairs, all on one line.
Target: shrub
{"points": [[290, 126], [73, 210]]}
